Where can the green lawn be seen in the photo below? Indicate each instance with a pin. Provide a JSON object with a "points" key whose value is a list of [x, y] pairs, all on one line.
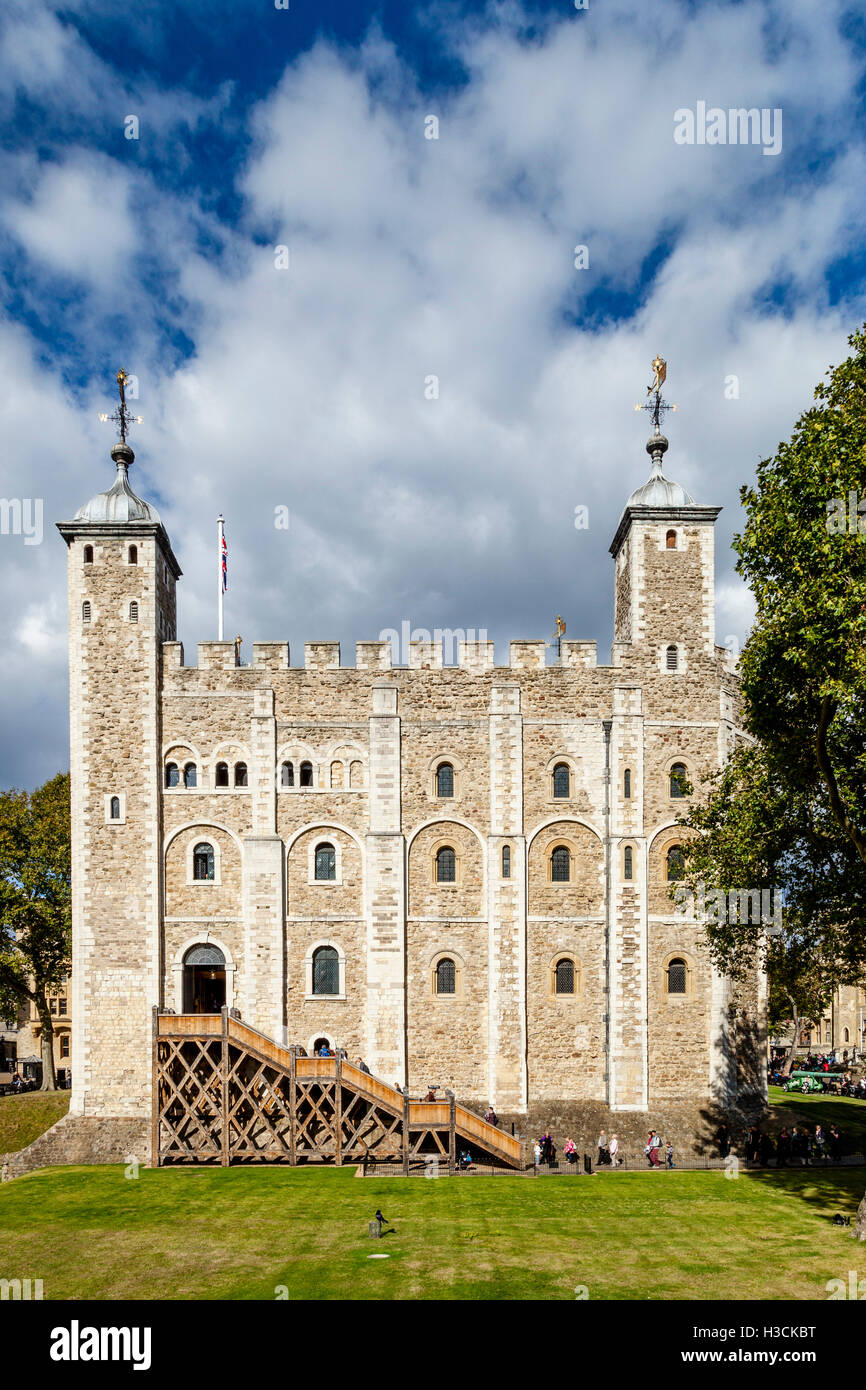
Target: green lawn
{"points": [[239, 1233], [850, 1115], [23, 1118]]}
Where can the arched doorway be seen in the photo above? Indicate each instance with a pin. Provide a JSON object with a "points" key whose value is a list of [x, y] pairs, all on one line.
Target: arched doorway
{"points": [[204, 980]]}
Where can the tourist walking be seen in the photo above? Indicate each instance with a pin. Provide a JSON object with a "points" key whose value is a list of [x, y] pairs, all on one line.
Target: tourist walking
{"points": [[537, 1154], [490, 1117], [613, 1150], [603, 1150], [669, 1156]]}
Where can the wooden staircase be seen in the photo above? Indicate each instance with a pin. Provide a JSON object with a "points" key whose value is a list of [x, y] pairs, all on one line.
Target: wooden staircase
{"points": [[226, 1093]]}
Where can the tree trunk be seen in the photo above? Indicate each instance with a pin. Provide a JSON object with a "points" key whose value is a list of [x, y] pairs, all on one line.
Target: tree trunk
{"points": [[860, 1221], [788, 1063], [49, 1075]]}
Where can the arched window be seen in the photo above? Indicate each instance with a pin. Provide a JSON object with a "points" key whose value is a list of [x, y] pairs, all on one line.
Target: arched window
{"points": [[446, 977], [287, 775], [133, 612], [222, 775], [679, 777], [202, 863], [671, 658], [677, 977], [115, 808], [561, 780], [190, 775], [133, 554], [676, 864], [445, 780], [172, 775], [671, 540], [628, 862], [564, 976], [846, 1035], [326, 863], [85, 611], [560, 865], [336, 774], [88, 555], [326, 971], [240, 774], [506, 861], [626, 784], [446, 865], [356, 774], [306, 774]]}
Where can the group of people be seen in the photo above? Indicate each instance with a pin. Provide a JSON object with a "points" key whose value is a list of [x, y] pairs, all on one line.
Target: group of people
{"points": [[653, 1151], [607, 1150], [798, 1145]]}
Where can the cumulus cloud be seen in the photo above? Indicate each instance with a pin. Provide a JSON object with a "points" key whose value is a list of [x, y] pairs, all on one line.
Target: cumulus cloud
{"points": [[431, 387]]}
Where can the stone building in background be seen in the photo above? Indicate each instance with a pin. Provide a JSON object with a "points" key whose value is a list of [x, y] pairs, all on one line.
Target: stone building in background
{"points": [[459, 873]]}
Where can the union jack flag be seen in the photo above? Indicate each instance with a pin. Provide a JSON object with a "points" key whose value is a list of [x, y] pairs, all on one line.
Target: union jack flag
{"points": [[225, 563]]}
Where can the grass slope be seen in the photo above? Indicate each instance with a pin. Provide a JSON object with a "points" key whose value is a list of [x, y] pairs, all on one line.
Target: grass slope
{"points": [[23, 1118], [239, 1233], [850, 1115]]}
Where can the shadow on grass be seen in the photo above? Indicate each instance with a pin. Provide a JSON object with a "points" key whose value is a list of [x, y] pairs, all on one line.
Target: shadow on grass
{"points": [[835, 1189]]}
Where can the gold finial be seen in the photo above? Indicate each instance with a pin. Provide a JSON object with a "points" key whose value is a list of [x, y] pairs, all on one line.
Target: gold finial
{"points": [[657, 406], [660, 367], [121, 417]]}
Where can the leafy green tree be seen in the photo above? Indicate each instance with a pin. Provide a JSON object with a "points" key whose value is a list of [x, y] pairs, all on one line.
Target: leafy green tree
{"points": [[35, 904]]}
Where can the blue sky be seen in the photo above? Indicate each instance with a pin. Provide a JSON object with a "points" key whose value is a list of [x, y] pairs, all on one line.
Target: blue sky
{"points": [[408, 258]]}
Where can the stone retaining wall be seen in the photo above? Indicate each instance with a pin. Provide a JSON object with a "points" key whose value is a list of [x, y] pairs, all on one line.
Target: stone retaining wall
{"points": [[81, 1139]]}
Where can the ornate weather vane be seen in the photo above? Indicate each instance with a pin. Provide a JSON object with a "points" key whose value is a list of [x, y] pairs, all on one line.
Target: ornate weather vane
{"points": [[558, 635], [122, 416], [656, 404]]}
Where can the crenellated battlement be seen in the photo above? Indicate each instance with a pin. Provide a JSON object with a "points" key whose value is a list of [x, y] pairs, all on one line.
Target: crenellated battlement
{"points": [[477, 658]]}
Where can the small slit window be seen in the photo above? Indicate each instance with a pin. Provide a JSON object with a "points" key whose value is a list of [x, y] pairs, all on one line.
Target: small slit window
{"points": [[326, 864], [560, 865], [202, 863], [222, 775], [326, 971], [561, 780], [671, 540], [506, 861], [564, 976], [676, 864], [287, 775], [671, 658], [85, 611], [677, 977], [88, 555], [240, 774], [628, 863], [133, 612], [306, 774], [172, 775], [445, 780], [446, 977], [133, 554], [190, 775], [115, 808], [679, 777], [446, 866], [626, 784]]}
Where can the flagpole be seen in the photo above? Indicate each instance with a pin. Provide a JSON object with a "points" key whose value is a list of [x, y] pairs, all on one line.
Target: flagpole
{"points": [[220, 537]]}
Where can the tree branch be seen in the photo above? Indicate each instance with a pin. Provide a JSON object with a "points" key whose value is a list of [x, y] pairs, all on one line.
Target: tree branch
{"points": [[825, 767]]}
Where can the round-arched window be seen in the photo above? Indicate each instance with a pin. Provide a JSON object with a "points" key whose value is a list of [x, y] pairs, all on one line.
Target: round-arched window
{"points": [[446, 865], [561, 780], [326, 971], [172, 775], [287, 775], [679, 779], [445, 780], [326, 863], [115, 808], [189, 775], [677, 977], [560, 865], [202, 863], [671, 658], [240, 774], [628, 862], [222, 775], [506, 861], [446, 977], [676, 863], [565, 976], [306, 774], [671, 540]]}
